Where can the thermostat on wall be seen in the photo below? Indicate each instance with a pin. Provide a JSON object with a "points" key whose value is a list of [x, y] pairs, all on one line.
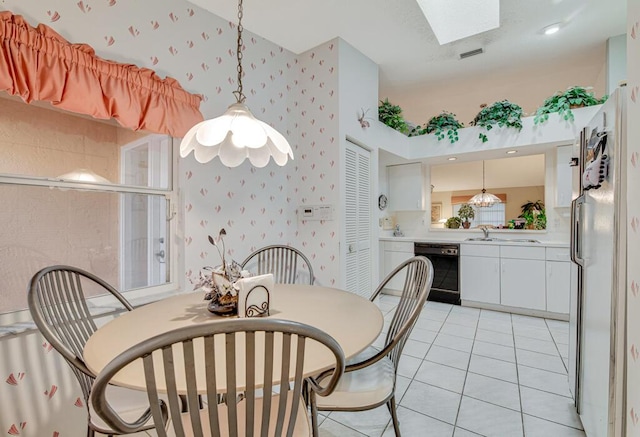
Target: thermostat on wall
{"points": [[315, 212]]}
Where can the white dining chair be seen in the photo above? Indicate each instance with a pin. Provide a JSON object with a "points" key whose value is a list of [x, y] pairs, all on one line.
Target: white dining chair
{"points": [[286, 263], [258, 363], [58, 306], [370, 378]]}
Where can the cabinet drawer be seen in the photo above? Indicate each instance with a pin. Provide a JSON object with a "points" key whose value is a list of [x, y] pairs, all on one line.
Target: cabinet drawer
{"points": [[399, 246], [522, 252], [480, 250], [558, 254]]}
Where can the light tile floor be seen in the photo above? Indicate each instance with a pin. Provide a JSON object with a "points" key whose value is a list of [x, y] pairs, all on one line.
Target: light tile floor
{"points": [[468, 372]]}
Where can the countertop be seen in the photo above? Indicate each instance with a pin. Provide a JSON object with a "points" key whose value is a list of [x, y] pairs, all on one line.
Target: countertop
{"points": [[505, 242]]}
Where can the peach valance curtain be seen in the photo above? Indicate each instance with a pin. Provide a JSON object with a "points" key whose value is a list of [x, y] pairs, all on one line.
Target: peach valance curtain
{"points": [[38, 64]]}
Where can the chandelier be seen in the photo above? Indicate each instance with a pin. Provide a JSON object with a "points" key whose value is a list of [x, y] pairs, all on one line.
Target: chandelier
{"points": [[236, 135], [484, 199]]}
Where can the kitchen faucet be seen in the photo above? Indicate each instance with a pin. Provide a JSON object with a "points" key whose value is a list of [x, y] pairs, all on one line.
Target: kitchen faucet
{"points": [[485, 230]]}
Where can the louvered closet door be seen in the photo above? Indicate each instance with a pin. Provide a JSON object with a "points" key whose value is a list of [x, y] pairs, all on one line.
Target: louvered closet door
{"points": [[358, 220]]}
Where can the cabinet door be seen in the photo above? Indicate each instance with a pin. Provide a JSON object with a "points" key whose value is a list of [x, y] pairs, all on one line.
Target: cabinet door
{"points": [[480, 279], [563, 176], [523, 283], [391, 261], [558, 286], [406, 187]]}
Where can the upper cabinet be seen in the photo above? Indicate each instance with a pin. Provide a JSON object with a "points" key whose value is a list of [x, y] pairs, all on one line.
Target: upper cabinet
{"points": [[406, 187], [563, 176]]}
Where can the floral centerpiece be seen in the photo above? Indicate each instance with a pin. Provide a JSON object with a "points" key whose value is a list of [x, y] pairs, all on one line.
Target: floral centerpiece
{"points": [[218, 282]]}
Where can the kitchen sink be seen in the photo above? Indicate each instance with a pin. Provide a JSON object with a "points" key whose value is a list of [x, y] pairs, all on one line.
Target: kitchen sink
{"points": [[515, 240], [486, 239]]}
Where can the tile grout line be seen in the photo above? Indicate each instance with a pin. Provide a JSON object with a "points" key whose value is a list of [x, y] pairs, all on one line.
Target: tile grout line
{"points": [[556, 345], [515, 353], [455, 424]]}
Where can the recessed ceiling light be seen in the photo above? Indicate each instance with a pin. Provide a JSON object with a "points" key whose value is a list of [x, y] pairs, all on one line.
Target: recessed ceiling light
{"points": [[551, 29], [453, 158], [511, 152]]}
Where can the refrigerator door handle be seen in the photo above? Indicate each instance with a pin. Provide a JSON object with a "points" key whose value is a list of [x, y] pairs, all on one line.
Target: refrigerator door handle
{"points": [[576, 230]]}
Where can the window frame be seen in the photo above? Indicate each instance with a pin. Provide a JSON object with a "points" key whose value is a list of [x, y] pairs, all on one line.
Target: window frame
{"points": [[20, 320]]}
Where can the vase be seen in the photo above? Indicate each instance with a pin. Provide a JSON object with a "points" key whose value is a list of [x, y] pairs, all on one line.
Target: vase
{"points": [[229, 307], [466, 225]]}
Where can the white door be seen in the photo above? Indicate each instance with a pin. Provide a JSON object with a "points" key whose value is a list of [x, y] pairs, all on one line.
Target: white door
{"points": [[144, 247], [358, 220]]}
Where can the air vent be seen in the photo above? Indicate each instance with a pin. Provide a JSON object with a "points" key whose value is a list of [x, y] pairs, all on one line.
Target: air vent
{"points": [[471, 53]]}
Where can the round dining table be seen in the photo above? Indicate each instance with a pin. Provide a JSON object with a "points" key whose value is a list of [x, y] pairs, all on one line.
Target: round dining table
{"points": [[353, 321]]}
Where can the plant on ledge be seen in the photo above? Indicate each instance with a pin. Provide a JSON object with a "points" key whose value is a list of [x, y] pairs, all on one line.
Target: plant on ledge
{"points": [[534, 214], [443, 124], [391, 115], [453, 223], [465, 213], [504, 114], [563, 102]]}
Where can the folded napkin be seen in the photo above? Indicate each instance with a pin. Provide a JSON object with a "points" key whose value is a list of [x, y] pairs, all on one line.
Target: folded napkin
{"points": [[253, 295]]}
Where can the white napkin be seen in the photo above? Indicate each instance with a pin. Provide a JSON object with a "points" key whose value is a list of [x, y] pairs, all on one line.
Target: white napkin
{"points": [[259, 297]]}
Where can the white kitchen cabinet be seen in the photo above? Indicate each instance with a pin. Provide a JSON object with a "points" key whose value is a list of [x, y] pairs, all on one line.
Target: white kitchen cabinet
{"points": [[480, 273], [480, 279], [395, 253], [406, 187], [563, 176], [558, 279], [558, 286], [522, 283]]}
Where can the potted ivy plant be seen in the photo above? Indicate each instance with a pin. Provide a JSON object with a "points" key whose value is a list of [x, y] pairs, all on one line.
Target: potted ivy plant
{"points": [[453, 223], [465, 213], [443, 124], [563, 102], [503, 114], [391, 115]]}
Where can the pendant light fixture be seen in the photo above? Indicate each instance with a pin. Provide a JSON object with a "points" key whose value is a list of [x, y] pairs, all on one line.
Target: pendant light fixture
{"points": [[484, 199], [236, 134]]}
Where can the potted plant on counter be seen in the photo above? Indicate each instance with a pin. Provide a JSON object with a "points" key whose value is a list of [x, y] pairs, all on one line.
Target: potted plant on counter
{"points": [[465, 213], [503, 113], [563, 102], [534, 214], [453, 223]]}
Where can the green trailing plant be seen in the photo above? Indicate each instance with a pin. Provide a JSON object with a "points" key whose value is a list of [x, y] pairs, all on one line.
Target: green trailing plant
{"points": [[504, 114], [563, 102], [444, 124], [453, 223], [391, 115]]}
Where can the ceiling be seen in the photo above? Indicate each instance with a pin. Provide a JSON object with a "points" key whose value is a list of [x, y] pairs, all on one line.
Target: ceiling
{"points": [[397, 36]]}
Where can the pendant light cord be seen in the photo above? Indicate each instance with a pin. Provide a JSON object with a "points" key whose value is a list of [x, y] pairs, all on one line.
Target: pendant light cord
{"points": [[240, 97], [483, 189]]}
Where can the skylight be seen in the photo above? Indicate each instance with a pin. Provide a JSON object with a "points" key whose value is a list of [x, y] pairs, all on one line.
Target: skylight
{"points": [[452, 20]]}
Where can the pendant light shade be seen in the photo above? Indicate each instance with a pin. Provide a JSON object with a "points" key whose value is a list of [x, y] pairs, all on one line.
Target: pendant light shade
{"points": [[236, 135], [484, 199]]}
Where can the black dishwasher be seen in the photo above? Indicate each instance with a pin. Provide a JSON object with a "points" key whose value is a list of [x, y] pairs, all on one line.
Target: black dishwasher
{"points": [[446, 270]]}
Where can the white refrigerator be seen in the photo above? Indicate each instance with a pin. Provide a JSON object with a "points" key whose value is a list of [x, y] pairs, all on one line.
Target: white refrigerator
{"points": [[598, 252]]}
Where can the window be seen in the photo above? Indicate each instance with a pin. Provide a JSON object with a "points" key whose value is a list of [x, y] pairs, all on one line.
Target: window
{"points": [[117, 227], [494, 215]]}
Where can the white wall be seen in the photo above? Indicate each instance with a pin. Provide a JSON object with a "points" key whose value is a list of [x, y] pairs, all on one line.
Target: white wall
{"points": [[616, 62], [632, 350]]}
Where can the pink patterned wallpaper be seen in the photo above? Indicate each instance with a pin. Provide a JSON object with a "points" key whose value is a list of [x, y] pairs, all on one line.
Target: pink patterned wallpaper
{"points": [[633, 215], [296, 94]]}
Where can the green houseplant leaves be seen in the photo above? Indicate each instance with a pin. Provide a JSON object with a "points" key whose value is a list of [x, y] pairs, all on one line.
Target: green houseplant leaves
{"points": [[562, 102], [391, 115], [444, 124], [503, 113]]}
